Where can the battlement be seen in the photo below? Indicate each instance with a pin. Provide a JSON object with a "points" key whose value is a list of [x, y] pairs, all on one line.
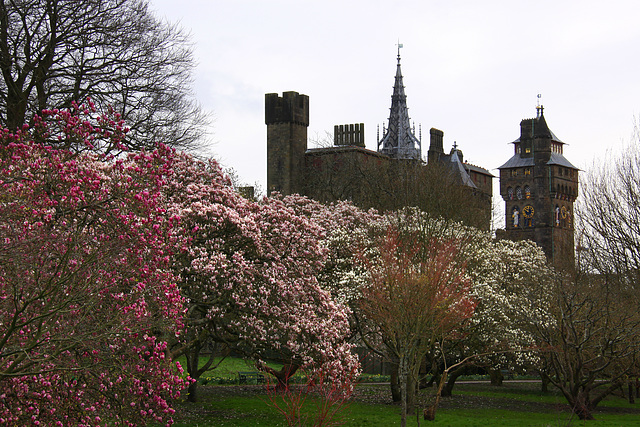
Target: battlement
{"points": [[291, 107], [351, 134]]}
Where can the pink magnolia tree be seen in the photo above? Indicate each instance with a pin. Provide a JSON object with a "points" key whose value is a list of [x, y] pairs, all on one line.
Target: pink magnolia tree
{"points": [[248, 273], [85, 283]]}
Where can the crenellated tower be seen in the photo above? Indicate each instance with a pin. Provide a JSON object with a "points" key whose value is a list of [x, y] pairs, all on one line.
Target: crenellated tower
{"points": [[287, 120], [539, 186]]}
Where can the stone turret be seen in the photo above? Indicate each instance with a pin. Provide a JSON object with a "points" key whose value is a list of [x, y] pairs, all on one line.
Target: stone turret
{"points": [[287, 120]]}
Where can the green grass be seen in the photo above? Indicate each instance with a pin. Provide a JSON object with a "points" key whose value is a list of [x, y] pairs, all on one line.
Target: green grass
{"points": [[472, 405], [514, 404], [520, 391], [227, 371]]}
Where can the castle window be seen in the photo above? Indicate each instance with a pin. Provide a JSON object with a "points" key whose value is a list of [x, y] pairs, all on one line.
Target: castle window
{"points": [[510, 193], [527, 150], [519, 193], [527, 192], [514, 172], [527, 171]]}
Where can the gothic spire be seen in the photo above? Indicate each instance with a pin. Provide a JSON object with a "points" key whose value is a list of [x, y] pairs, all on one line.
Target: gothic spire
{"points": [[399, 140]]}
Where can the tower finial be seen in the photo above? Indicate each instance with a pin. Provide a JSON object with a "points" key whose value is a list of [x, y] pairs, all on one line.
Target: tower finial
{"points": [[399, 47], [539, 107]]}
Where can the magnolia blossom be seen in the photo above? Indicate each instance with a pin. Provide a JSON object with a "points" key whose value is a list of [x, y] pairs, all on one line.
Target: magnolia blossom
{"points": [[249, 272], [85, 285]]}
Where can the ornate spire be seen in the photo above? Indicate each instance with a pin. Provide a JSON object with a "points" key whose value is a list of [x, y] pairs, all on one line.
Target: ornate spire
{"points": [[399, 140]]}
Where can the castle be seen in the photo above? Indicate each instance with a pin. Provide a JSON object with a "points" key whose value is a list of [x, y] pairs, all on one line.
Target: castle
{"points": [[538, 184], [392, 177]]}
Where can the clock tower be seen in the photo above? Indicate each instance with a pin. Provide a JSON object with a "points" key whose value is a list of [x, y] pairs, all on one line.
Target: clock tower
{"points": [[539, 186]]}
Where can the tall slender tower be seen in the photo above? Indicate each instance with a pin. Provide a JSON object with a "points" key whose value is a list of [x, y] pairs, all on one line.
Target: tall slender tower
{"points": [[539, 186], [399, 140], [287, 120]]}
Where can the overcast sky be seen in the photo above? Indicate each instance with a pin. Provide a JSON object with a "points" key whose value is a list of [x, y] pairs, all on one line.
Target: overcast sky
{"points": [[471, 68]]}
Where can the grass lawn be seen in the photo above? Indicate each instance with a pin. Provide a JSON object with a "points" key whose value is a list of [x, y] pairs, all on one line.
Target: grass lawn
{"points": [[514, 404], [227, 371]]}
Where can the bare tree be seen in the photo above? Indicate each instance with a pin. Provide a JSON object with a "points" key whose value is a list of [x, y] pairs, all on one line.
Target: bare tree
{"points": [[56, 52], [592, 346], [609, 217]]}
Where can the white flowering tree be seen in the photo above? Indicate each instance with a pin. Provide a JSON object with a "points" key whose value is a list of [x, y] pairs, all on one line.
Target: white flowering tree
{"points": [[513, 286], [510, 281]]}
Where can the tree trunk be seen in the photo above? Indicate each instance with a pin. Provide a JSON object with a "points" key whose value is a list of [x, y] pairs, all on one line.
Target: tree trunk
{"points": [[496, 376], [282, 376], [447, 391], [193, 358], [192, 391], [411, 394], [395, 384], [584, 413], [630, 387], [403, 375], [582, 407], [430, 412], [545, 382]]}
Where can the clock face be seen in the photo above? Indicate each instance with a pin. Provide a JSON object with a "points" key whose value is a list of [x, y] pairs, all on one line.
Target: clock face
{"points": [[528, 211]]}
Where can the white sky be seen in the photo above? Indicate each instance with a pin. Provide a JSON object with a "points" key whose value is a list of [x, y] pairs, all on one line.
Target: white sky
{"points": [[471, 68]]}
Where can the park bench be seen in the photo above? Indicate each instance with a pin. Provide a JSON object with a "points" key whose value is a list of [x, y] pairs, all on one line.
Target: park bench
{"points": [[253, 377], [506, 374]]}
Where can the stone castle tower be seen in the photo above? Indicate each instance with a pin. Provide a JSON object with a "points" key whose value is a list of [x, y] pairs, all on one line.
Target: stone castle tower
{"points": [[539, 186], [287, 120]]}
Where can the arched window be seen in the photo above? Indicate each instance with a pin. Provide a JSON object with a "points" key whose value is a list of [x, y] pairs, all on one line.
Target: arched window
{"points": [[519, 193], [527, 192], [510, 193]]}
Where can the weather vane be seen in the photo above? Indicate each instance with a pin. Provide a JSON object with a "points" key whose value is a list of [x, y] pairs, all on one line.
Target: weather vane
{"points": [[399, 47], [539, 107]]}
